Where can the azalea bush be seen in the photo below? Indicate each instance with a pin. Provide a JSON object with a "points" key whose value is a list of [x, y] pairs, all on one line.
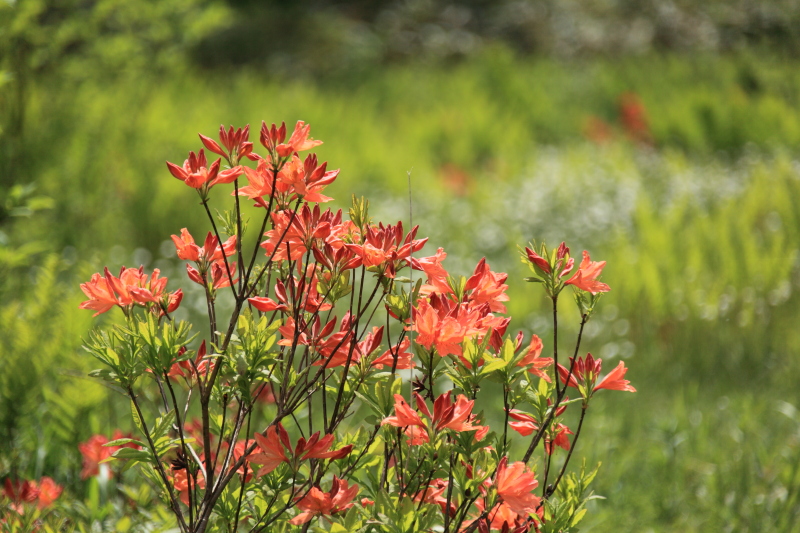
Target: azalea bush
{"points": [[351, 384]]}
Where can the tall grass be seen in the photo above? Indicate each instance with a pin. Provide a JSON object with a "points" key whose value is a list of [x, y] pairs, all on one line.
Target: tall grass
{"points": [[699, 231]]}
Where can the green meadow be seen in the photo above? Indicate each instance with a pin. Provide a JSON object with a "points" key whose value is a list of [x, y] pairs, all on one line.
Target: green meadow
{"points": [[699, 225]]}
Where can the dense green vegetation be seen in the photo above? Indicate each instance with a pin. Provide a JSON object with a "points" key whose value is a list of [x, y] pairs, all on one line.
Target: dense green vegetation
{"points": [[699, 225]]}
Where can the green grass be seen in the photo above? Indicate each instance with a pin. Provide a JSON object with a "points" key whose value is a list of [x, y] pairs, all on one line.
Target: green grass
{"points": [[700, 233]]}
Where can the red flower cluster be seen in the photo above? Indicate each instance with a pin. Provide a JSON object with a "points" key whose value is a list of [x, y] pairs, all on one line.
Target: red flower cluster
{"points": [[209, 257], [276, 442], [456, 416], [318, 503], [196, 172], [525, 424], [560, 264], [585, 372], [132, 287]]}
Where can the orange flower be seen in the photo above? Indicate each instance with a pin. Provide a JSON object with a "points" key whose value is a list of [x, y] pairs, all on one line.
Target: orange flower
{"points": [[445, 333], [585, 372], [183, 482], [399, 352], [515, 486], [196, 172], [533, 361], [318, 503], [236, 142], [294, 233], [586, 276], [502, 518], [263, 181], [456, 416], [307, 179], [275, 444], [316, 448], [434, 495], [272, 449], [132, 286], [186, 369], [210, 252], [95, 451], [488, 287], [49, 491], [525, 424], [386, 248], [437, 275], [298, 142], [615, 380], [404, 414], [266, 305]]}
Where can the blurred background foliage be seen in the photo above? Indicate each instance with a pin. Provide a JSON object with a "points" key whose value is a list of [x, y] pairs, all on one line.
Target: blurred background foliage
{"points": [[660, 135]]}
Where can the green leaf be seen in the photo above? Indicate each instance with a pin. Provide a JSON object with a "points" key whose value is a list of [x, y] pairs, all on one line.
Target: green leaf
{"points": [[130, 453], [120, 442], [163, 424], [577, 518], [135, 415], [495, 364]]}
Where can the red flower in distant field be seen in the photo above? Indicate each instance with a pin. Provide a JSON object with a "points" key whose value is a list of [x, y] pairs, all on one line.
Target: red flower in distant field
{"points": [[633, 116], [94, 452], [586, 276], [585, 372], [515, 485], [597, 130], [49, 491], [318, 503], [20, 493]]}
